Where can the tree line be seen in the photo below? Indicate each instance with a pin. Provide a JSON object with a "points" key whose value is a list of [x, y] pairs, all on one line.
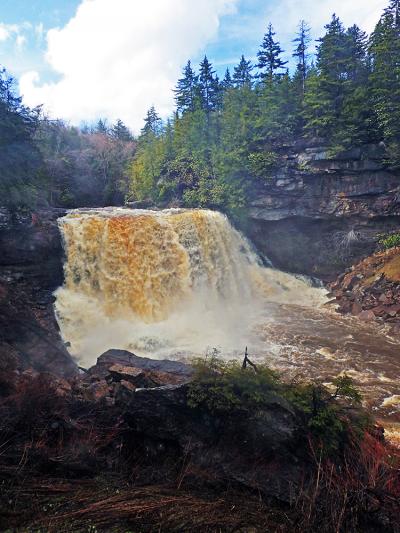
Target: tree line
{"points": [[225, 133], [48, 162]]}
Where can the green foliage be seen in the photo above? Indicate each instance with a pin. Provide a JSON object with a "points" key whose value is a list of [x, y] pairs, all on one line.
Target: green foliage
{"points": [[390, 241], [384, 49], [225, 136], [242, 73], [262, 164], [269, 56], [224, 387], [20, 160], [145, 169]]}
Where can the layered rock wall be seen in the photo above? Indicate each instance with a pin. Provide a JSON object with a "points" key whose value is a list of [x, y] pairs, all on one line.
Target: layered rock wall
{"points": [[318, 215], [30, 270]]}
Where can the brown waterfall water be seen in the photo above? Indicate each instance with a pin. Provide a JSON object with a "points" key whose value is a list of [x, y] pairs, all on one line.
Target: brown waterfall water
{"points": [[177, 283]]}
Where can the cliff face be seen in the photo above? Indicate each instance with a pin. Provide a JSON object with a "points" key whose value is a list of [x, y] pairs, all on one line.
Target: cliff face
{"points": [[318, 215], [30, 270]]}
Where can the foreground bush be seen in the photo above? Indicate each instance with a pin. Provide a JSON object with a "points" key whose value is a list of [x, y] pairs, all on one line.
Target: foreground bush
{"points": [[329, 415]]}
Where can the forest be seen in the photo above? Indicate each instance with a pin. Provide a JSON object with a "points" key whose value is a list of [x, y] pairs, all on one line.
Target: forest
{"points": [[226, 135], [48, 162]]}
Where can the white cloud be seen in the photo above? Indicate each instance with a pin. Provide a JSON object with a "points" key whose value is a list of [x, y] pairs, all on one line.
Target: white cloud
{"points": [[39, 31], [20, 41], [4, 32], [286, 14], [7, 30], [365, 13], [116, 58]]}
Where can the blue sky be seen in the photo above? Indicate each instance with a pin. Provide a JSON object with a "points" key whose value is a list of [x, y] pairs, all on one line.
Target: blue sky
{"points": [[114, 58]]}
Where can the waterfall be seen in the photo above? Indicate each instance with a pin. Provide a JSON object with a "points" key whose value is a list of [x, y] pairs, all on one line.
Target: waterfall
{"points": [[172, 281]]}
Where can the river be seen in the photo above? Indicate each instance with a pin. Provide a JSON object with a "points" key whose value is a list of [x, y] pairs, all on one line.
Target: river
{"points": [[178, 283]]}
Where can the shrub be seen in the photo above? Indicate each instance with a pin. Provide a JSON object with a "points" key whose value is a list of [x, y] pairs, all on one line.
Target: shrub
{"points": [[262, 164], [390, 241], [224, 387]]}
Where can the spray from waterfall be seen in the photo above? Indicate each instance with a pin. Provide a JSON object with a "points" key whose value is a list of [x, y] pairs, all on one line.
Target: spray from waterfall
{"points": [[164, 282]]}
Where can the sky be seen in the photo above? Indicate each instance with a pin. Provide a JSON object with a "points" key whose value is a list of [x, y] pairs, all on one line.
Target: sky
{"points": [[86, 59]]}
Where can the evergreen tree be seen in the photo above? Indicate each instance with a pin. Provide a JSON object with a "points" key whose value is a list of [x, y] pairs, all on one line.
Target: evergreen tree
{"points": [[227, 82], [101, 126], [20, 160], [358, 63], [300, 52], [121, 132], [324, 98], [269, 60], [357, 121], [276, 112], [186, 90], [393, 10], [385, 78], [242, 73], [217, 93], [152, 124], [207, 85]]}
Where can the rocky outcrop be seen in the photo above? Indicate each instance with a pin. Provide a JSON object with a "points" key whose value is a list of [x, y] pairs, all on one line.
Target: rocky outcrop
{"points": [[118, 373], [371, 289], [149, 400], [318, 215], [30, 270]]}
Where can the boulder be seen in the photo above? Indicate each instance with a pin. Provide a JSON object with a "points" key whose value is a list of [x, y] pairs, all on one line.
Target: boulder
{"points": [[366, 316], [97, 391], [161, 369], [129, 373], [241, 447]]}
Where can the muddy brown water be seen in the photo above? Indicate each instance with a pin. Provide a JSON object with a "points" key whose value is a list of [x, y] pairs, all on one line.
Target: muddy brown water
{"points": [[320, 344]]}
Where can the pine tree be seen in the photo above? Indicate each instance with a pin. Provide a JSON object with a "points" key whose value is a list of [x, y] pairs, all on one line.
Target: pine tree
{"points": [[324, 97], [385, 77], [101, 126], [269, 60], [393, 9], [227, 82], [358, 65], [357, 121], [217, 94], [242, 73], [276, 112], [20, 158], [121, 132], [152, 124], [207, 85], [186, 90], [302, 41]]}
